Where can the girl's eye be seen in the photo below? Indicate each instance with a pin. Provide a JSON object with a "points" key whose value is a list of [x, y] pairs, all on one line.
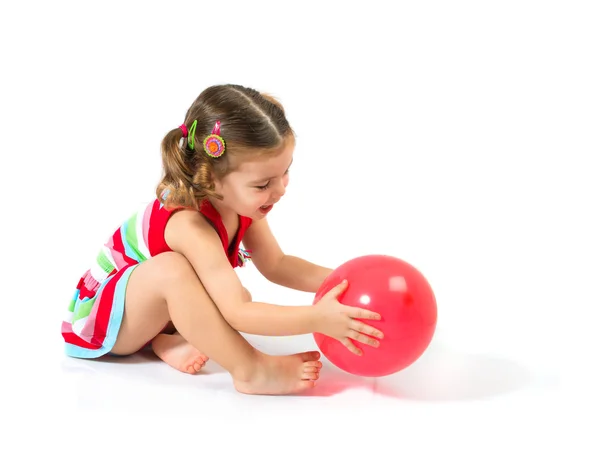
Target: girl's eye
{"points": [[264, 187]]}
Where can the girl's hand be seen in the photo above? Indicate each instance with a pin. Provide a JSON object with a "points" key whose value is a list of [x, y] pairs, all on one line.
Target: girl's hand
{"points": [[338, 321]]}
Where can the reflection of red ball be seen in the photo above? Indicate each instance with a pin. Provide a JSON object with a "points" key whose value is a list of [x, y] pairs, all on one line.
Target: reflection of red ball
{"points": [[406, 303]]}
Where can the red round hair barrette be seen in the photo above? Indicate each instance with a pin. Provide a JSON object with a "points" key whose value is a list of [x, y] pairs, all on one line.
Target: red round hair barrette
{"points": [[214, 145]]}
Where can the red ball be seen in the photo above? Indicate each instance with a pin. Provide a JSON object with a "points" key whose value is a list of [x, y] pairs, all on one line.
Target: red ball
{"points": [[401, 295]]}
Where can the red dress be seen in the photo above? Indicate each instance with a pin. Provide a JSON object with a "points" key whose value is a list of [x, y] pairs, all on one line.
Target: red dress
{"points": [[95, 311]]}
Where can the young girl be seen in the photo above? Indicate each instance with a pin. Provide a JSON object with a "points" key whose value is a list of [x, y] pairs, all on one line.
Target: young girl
{"points": [[166, 276]]}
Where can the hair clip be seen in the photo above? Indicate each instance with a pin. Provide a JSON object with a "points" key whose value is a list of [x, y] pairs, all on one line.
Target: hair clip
{"points": [[191, 137], [214, 145], [183, 129]]}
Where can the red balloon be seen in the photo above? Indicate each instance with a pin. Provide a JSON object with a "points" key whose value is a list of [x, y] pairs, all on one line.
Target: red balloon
{"points": [[401, 295]]}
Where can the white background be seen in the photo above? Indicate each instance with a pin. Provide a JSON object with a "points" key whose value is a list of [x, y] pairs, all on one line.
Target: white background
{"points": [[460, 136]]}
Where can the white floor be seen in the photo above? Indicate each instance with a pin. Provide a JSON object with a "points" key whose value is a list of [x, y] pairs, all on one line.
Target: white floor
{"points": [[472, 407]]}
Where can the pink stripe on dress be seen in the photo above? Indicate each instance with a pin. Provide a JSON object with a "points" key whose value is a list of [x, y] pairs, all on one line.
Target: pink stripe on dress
{"points": [[117, 256], [87, 333]]}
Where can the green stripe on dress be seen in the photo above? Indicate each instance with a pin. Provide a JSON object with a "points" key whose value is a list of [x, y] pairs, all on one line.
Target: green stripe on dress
{"points": [[104, 262], [83, 309], [131, 236]]}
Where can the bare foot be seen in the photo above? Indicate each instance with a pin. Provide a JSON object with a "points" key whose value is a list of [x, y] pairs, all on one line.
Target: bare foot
{"points": [[281, 375], [179, 353]]}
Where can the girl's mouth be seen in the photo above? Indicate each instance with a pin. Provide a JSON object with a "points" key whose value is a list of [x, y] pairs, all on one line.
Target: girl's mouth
{"points": [[265, 209]]}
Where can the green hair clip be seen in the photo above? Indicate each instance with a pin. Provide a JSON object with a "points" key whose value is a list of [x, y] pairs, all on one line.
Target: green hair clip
{"points": [[192, 135]]}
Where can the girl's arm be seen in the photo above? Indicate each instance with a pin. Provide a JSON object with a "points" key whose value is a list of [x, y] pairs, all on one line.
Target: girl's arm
{"points": [[189, 234], [299, 274], [285, 270]]}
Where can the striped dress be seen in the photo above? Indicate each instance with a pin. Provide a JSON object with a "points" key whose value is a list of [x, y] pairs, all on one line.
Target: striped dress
{"points": [[95, 312]]}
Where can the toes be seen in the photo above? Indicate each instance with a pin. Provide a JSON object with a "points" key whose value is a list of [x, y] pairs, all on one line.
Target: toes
{"points": [[308, 356], [310, 376], [199, 363], [195, 366], [311, 369], [315, 364], [310, 372]]}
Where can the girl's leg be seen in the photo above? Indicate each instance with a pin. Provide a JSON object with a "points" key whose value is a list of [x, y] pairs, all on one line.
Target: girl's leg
{"points": [[166, 288], [172, 348]]}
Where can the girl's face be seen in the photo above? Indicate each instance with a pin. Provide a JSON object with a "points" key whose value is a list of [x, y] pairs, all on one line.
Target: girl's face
{"points": [[255, 186]]}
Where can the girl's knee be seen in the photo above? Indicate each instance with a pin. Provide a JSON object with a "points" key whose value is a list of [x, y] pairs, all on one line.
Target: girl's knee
{"points": [[174, 267]]}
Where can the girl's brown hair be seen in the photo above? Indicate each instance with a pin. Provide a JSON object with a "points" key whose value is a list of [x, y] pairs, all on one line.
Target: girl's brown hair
{"points": [[251, 122]]}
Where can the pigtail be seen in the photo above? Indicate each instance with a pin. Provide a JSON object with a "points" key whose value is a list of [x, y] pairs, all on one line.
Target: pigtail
{"points": [[176, 187], [188, 175], [204, 178]]}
